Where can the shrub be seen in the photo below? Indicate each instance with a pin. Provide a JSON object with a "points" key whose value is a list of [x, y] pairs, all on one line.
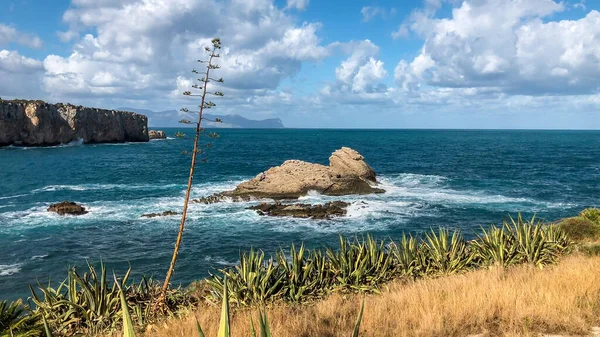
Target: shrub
{"points": [[580, 228], [591, 250], [592, 214]]}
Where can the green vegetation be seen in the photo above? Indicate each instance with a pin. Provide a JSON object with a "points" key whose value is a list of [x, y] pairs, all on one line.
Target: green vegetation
{"points": [[364, 265], [88, 304], [15, 321], [584, 227]]}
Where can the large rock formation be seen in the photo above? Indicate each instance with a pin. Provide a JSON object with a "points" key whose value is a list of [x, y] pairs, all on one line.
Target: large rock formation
{"points": [[36, 123], [347, 173], [157, 134]]}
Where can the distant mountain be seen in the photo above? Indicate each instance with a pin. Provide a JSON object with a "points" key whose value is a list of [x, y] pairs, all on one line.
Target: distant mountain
{"points": [[170, 118]]}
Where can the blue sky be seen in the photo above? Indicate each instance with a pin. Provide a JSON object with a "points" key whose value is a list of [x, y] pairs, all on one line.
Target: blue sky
{"points": [[376, 64]]}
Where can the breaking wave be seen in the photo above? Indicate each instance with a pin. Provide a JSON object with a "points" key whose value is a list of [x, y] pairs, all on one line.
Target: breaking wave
{"points": [[9, 269]]}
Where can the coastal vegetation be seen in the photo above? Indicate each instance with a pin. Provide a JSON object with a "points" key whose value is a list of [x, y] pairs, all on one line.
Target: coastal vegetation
{"points": [[319, 289]]}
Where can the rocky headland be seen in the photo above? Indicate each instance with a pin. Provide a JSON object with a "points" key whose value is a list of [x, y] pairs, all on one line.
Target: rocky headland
{"points": [[36, 123], [347, 174]]}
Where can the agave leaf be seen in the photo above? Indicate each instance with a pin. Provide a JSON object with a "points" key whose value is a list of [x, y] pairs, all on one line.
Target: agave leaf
{"points": [[127, 322], [265, 329], [358, 320], [224, 325], [46, 327], [200, 332]]}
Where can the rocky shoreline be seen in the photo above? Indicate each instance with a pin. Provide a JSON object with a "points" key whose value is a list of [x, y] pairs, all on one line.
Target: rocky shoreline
{"points": [[37, 123]]}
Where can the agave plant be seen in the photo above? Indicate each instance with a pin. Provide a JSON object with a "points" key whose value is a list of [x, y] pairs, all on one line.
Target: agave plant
{"points": [[306, 274], [444, 253], [254, 280], [407, 257], [558, 237], [88, 304], [495, 247], [361, 265], [531, 242], [17, 321], [81, 303]]}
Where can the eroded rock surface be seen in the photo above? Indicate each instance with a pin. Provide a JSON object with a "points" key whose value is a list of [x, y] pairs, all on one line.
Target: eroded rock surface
{"points": [[154, 215], [325, 211], [157, 134], [36, 123], [347, 173], [67, 207]]}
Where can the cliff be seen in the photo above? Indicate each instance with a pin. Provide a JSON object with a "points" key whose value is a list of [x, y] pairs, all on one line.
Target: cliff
{"points": [[36, 123]]}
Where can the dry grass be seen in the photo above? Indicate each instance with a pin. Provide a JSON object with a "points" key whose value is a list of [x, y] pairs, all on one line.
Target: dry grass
{"points": [[523, 301]]}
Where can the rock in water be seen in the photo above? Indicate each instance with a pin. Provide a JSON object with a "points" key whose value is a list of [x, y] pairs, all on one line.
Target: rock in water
{"points": [[67, 207], [154, 215], [325, 211], [348, 162], [347, 173], [36, 123], [157, 134]]}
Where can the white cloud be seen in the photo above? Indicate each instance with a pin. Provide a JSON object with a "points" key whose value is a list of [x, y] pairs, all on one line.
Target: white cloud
{"points": [[507, 46], [580, 5], [298, 4], [370, 12], [13, 62], [359, 78], [21, 75], [10, 34], [144, 48]]}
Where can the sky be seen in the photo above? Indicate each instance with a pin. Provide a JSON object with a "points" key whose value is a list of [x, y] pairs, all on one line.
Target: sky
{"points": [[483, 64]]}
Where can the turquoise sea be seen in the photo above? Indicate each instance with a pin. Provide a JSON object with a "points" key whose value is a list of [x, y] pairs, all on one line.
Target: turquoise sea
{"points": [[463, 179]]}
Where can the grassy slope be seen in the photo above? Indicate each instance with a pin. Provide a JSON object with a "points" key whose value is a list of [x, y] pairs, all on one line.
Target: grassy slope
{"points": [[522, 301]]}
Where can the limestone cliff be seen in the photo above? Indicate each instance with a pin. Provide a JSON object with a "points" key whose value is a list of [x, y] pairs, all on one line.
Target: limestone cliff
{"points": [[36, 123]]}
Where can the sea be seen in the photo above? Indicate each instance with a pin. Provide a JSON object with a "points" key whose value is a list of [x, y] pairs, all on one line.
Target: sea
{"points": [[433, 178]]}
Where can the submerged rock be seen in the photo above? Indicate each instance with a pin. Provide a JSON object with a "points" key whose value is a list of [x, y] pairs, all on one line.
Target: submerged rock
{"points": [[36, 123], [347, 173], [67, 207], [326, 211], [154, 215], [157, 134]]}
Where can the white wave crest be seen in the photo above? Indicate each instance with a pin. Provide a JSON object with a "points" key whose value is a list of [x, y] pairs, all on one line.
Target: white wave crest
{"points": [[220, 261], [13, 196], [10, 269], [39, 257], [96, 187]]}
